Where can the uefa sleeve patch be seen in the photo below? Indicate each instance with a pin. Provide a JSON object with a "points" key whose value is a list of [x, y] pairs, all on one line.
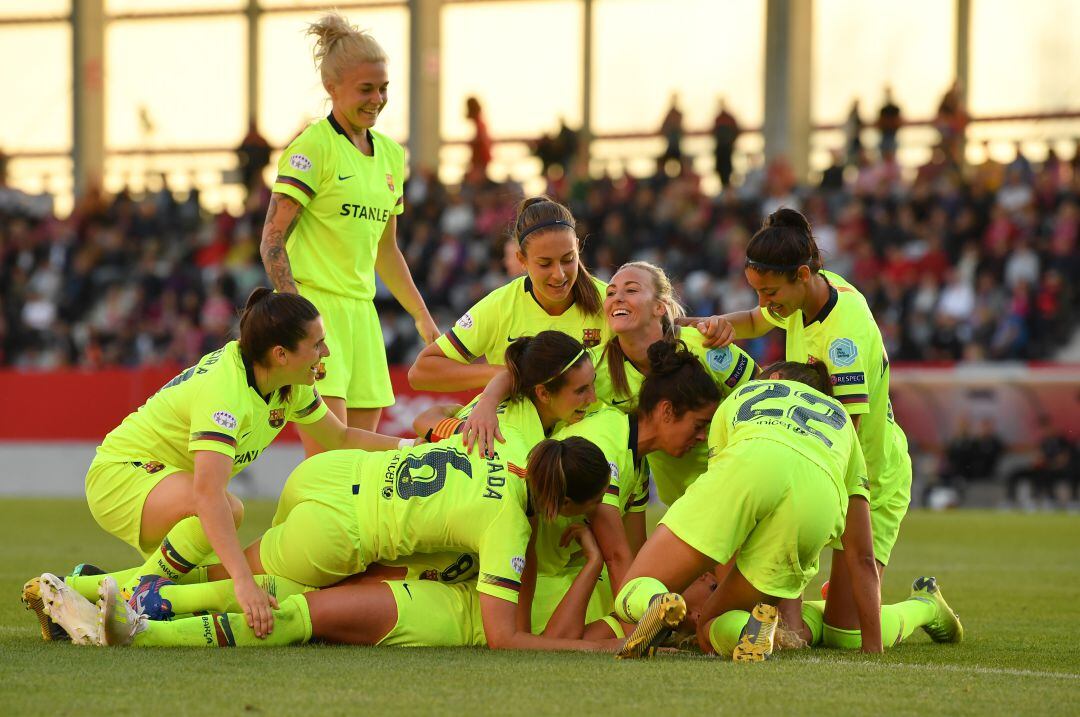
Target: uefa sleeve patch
{"points": [[719, 359], [300, 162], [518, 564], [466, 321], [226, 420], [842, 352], [614, 471]]}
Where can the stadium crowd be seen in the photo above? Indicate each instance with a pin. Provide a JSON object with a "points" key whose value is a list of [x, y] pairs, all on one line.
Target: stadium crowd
{"points": [[972, 264]]}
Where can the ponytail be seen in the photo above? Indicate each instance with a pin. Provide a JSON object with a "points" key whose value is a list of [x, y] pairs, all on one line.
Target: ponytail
{"points": [[573, 468], [676, 375]]}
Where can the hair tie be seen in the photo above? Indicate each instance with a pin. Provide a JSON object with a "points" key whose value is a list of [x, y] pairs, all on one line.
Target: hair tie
{"points": [[543, 225]]}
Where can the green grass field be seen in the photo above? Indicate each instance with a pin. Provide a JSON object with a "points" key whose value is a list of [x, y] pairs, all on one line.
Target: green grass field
{"points": [[1014, 579]]}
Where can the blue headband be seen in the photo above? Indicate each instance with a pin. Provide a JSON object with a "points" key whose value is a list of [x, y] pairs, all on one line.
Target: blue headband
{"points": [[778, 268], [543, 225]]}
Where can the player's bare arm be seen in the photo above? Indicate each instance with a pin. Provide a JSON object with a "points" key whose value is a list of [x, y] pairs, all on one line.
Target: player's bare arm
{"points": [[281, 218], [390, 264]]}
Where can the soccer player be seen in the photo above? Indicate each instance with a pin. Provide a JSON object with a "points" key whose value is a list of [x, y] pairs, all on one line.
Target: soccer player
{"points": [[347, 509], [827, 320], [783, 461], [641, 309], [159, 480], [332, 224], [556, 293]]}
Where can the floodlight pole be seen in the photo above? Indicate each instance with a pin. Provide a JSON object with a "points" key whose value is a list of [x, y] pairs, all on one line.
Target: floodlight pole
{"points": [[424, 70], [788, 29]]}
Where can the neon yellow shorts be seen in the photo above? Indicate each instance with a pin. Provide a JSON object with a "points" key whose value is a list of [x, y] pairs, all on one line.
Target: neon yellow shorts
{"points": [[886, 517], [440, 567], [314, 538], [433, 614], [356, 368], [769, 503], [116, 493]]}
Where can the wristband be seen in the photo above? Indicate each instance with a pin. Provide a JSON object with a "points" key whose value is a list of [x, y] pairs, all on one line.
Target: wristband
{"points": [[406, 443]]}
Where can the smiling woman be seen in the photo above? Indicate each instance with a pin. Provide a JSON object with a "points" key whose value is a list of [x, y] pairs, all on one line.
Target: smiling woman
{"points": [[332, 223]]}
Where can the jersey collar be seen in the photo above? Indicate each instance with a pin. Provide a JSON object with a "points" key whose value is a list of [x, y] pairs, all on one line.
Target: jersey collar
{"points": [[341, 130], [532, 294], [828, 307], [249, 371], [631, 442]]}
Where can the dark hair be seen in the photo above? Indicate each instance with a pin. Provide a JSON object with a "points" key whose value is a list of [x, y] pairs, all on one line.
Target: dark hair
{"points": [[815, 375], [534, 216], [783, 244], [541, 360], [572, 468], [270, 320], [661, 286], [676, 375]]}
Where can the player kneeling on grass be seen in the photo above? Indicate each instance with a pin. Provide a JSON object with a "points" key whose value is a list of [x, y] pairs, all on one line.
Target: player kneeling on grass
{"points": [[784, 459], [159, 479], [429, 498]]}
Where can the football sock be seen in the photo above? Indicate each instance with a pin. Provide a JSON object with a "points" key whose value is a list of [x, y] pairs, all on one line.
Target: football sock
{"points": [[185, 546], [898, 621], [813, 614], [194, 576], [724, 631], [218, 596], [634, 598], [292, 626]]}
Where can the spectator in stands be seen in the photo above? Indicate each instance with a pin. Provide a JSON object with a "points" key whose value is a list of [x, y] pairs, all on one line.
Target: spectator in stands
{"points": [[557, 150], [725, 132], [888, 123], [1051, 474], [671, 129], [853, 127], [951, 123], [253, 155], [480, 144]]}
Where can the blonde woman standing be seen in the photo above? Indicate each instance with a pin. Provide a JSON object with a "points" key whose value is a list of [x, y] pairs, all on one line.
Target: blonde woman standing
{"points": [[332, 223]]}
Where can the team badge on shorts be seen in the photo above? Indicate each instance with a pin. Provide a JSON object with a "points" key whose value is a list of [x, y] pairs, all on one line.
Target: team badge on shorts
{"points": [[590, 337], [430, 574], [152, 467], [390, 181], [842, 352], [277, 417]]}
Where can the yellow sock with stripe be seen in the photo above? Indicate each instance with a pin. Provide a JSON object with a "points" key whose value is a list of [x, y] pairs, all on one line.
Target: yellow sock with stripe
{"points": [[292, 626], [218, 596], [634, 598], [724, 631], [898, 621]]}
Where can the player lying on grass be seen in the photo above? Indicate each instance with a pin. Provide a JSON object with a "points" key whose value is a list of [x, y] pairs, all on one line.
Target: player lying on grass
{"points": [[827, 320], [784, 459], [557, 293], [431, 497], [640, 308], [159, 480]]}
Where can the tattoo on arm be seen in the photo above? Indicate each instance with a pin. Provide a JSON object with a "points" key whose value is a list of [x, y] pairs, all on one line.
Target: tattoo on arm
{"points": [[272, 248]]}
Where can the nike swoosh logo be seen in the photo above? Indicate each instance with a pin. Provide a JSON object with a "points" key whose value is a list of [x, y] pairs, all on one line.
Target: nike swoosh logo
{"points": [[245, 435], [406, 586], [342, 179], [512, 339], [616, 403]]}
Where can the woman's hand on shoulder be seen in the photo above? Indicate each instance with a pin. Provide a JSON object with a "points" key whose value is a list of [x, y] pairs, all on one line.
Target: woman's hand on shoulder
{"points": [[717, 330]]}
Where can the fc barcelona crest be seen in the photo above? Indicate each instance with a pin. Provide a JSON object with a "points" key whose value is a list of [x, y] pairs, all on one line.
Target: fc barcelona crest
{"points": [[277, 417], [152, 467], [590, 337], [390, 181]]}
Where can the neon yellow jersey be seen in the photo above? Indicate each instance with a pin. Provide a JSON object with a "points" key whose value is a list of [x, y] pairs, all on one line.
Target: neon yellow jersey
{"points": [[512, 311], [729, 367], [212, 406], [845, 336], [348, 198], [799, 417], [615, 434], [436, 498]]}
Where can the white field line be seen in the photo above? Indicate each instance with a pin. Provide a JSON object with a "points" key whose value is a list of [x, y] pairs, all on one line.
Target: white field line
{"points": [[952, 668]]}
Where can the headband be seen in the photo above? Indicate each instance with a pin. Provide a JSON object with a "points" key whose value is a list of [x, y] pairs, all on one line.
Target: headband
{"points": [[568, 366], [543, 225]]}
